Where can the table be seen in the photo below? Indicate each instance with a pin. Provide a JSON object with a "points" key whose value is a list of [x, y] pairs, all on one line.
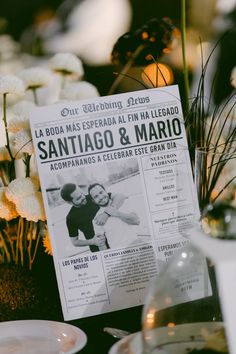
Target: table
{"points": [[47, 306], [99, 342]]}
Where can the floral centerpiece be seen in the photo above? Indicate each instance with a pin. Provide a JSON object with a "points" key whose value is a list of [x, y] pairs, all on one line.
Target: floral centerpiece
{"points": [[22, 217], [210, 128]]}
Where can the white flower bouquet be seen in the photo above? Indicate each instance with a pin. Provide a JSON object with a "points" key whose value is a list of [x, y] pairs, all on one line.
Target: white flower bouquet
{"points": [[22, 215]]}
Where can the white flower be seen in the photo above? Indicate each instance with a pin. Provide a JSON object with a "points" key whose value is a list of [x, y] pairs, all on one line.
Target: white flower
{"points": [[18, 123], [20, 188], [79, 90], [8, 47], [14, 150], [233, 77], [23, 142], [23, 108], [67, 64], [36, 77], [7, 208], [4, 154], [20, 116], [31, 207], [11, 84]]}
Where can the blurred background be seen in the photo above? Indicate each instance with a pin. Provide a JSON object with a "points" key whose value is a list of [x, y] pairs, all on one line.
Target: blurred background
{"points": [[32, 31]]}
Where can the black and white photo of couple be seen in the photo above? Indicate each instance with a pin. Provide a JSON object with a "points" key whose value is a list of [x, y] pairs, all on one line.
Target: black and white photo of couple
{"points": [[99, 215], [106, 207]]}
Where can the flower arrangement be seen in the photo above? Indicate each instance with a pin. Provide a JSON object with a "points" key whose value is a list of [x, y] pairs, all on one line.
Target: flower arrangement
{"points": [[143, 46], [210, 128], [211, 134], [22, 217]]}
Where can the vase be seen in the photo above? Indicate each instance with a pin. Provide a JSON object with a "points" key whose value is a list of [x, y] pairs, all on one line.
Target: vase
{"points": [[214, 175]]}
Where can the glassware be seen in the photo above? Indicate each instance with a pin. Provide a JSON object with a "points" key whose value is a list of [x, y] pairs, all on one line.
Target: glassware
{"points": [[215, 181], [218, 242], [218, 220], [181, 303], [182, 311], [214, 174]]}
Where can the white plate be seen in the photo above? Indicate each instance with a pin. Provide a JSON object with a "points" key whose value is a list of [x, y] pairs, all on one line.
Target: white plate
{"points": [[174, 340], [40, 337]]}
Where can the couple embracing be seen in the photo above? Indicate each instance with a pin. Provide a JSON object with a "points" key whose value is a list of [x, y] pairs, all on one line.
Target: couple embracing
{"points": [[107, 220]]}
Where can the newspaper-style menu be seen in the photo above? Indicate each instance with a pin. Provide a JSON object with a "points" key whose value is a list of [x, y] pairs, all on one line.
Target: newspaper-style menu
{"points": [[126, 159]]}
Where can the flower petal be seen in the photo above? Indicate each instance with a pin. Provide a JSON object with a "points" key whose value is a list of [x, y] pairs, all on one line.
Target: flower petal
{"points": [[7, 208], [36, 77], [67, 64], [11, 84], [32, 207], [20, 188], [23, 142], [18, 123], [22, 108], [79, 90]]}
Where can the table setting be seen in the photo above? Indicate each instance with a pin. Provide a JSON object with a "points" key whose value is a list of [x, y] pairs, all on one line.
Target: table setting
{"points": [[172, 288], [39, 336]]}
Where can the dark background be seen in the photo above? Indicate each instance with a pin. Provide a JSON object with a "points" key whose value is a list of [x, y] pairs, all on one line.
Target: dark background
{"points": [[21, 14]]}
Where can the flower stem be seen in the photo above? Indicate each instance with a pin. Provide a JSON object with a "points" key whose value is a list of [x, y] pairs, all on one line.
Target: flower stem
{"points": [[36, 243], [30, 238], [5, 124], [185, 68], [35, 96], [125, 69], [10, 240], [27, 165], [4, 246], [63, 81], [19, 241]]}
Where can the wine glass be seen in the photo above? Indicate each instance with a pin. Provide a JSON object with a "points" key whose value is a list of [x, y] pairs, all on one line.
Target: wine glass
{"points": [[181, 303], [183, 306], [218, 240]]}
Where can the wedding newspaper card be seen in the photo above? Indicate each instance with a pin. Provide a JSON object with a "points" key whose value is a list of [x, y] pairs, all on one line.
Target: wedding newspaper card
{"points": [[118, 192]]}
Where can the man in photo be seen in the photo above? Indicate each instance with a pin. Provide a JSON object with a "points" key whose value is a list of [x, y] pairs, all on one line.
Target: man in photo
{"points": [[81, 215], [121, 225], [80, 218]]}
